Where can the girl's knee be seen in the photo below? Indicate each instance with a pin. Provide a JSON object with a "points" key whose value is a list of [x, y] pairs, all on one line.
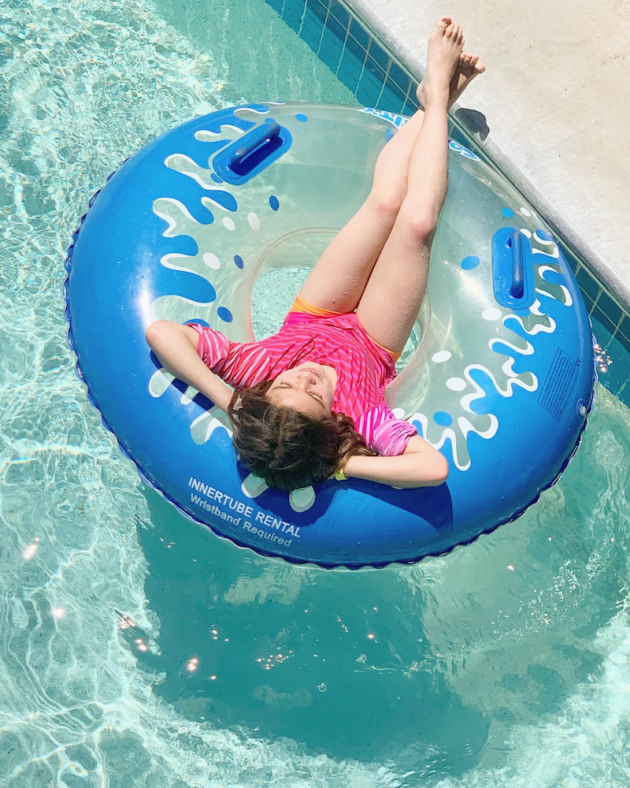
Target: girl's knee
{"points": [[387, 200], [419, 223]]}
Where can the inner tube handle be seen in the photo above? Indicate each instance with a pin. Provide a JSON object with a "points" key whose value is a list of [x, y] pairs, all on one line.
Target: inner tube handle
{"points": [[513, 274], [515, 242], [253, 140]]}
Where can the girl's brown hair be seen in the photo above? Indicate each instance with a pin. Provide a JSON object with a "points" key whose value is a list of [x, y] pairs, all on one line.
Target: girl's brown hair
{"points": [[287, 448]]}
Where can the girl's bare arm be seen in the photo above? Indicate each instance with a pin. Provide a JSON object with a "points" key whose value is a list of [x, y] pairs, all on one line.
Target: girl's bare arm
{"points": [[419, 466], [176, 347]]}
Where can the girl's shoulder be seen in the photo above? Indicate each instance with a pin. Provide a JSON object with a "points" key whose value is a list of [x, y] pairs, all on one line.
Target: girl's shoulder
{"points": [[237, 363], [383, 431]]}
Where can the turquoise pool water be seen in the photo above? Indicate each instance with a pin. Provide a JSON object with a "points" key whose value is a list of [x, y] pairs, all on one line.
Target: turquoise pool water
{"points": [[139, 650]]}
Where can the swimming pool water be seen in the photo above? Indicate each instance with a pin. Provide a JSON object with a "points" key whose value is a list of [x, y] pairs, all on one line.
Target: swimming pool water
{"points": [[139, 650]]}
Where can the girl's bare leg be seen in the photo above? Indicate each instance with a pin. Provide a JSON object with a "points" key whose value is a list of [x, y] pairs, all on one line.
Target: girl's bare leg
{"points": [[394, 292], [339, 278]]}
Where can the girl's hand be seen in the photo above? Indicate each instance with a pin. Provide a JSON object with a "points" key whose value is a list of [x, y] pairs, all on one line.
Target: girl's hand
{"points": [[419, 466]]}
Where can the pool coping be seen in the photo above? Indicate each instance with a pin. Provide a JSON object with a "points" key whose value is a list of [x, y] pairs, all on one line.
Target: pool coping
{"points": [[379, 71]]}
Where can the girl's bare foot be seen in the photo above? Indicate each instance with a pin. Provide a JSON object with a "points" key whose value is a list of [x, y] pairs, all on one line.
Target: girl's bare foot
{"points": [[445, 49], [468, 67]]}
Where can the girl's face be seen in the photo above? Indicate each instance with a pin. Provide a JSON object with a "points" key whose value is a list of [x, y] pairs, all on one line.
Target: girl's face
{"points": [[309, 388]]}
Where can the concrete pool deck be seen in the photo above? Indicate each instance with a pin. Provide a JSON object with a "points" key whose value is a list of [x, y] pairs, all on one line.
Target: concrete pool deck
{"points": [[552, 109]]}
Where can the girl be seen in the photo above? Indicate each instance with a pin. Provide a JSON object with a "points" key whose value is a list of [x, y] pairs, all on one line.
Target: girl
{"points": [[309, 402]]}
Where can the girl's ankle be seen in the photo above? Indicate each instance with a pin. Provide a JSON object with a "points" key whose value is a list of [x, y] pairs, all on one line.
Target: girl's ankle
{"points": [[437, 101]]}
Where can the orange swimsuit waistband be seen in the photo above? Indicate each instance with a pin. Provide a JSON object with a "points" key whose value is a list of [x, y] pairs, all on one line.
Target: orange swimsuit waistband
{"points": [[300, 305]]}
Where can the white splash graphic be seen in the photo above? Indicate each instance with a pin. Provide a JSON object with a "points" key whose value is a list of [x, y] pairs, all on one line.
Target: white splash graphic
{"points": [[300, 500], [495, 359]]}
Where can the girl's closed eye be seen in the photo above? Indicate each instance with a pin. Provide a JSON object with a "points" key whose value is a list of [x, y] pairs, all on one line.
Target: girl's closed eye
{"points": [[311, 394]]}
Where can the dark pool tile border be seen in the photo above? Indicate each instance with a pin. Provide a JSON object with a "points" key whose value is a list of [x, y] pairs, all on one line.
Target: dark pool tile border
{"points": [[379, 55], [604, 308], [377, 79], [375, 68], [357, 49], [613, 367], [399, 77], [331, 47], [312, 32], [358, 32], [369, 89], [588, 301], [588, 284], [610, 308], [603, 318], [392, 99], [317, 8], [340, 12]]}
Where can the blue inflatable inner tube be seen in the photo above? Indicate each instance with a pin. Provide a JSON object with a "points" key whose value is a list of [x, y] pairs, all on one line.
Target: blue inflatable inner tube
{"points": [[499, 376]]}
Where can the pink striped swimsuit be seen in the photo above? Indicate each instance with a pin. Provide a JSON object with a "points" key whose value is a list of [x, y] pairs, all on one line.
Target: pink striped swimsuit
{"points": [[363, 368]]}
